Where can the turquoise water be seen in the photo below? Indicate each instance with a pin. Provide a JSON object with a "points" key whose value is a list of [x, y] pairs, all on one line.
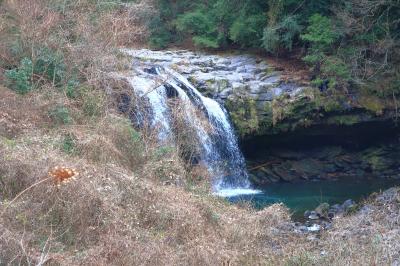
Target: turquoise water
{"points": [[307, 195]]}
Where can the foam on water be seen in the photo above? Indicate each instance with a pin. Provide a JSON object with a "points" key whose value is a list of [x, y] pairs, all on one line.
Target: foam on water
{"points": [[234, 192]]}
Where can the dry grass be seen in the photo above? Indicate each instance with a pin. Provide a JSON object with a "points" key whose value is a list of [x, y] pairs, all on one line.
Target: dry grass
{"points": [[85, 33], [119, 211]]}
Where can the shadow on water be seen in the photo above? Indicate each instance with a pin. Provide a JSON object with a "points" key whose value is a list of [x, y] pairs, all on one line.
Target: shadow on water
{"points": [[307, 195]]}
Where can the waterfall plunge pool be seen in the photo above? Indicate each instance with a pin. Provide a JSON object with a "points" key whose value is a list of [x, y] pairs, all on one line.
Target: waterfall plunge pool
{"points": [[307, 195]]}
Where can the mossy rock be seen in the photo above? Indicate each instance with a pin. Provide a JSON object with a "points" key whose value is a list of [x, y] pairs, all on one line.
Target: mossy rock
{"points": [[346, 120], [243, 112]]}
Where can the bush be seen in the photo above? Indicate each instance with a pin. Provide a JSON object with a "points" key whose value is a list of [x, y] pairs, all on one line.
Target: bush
{"points": [[160, 36], [69, 144], [270, 40], [281, 36], [20, 79], [60, 115], [46, 65], [71, 88], [201, 26], [335, 70], [93, 103], [320, 33], [205, 41], [247, 31], [50, 65]]}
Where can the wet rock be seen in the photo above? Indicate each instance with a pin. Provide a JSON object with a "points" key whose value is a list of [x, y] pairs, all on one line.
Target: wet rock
{"points": [[308, 168], [313, 215], [245, 73], [331, 214], [285, 172], [322, 210], [256, 179], [272, 177], [348, 205], [336, 208]]}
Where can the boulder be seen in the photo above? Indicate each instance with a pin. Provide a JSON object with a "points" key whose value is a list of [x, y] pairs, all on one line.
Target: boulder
{"points": [[322, 210], [336, 209], [348, 205], [307, 213]]}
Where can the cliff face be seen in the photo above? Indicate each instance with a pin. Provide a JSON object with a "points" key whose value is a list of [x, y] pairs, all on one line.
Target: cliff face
{"points": [[263, 100]]}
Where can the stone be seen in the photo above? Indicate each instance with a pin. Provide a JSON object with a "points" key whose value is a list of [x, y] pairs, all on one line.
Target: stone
{"points": [[366, 209], [335, 210], [313, 215], [327, 226], [302, 229], [285, 172], [322, 210], [272, 177], [348, 205], [388, 195], [314, 228]]}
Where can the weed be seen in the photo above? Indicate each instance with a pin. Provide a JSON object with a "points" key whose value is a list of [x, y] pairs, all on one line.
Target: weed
{"points": [[69, 144], [10, 143], [163, 151], [50, 65], [60, 115], [71, 88], [304, 259]]}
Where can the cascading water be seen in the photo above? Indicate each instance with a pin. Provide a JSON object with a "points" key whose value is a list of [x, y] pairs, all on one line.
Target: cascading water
{"points": [[219, 147]]}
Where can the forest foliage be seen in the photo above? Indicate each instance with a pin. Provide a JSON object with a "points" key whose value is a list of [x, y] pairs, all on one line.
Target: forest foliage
{"points": [[345, 43]]}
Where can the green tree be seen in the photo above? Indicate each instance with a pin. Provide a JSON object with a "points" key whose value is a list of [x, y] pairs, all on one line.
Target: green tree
{"points": [[201, 26], [247, 31], [281, 36], [320, 33]]}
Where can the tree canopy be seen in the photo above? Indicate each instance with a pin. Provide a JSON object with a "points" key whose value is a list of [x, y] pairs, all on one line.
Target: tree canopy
{"points": [[355, 41]]}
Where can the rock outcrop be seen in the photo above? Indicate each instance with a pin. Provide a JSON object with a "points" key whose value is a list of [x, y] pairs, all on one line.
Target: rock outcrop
{"points": [[273, 115]]}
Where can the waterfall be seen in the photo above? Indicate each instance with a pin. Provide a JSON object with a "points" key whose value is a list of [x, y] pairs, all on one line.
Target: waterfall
{"points": [[219, 149]]}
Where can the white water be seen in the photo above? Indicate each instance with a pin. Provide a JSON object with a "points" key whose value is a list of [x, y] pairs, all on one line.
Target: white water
{"points": [[233, 192], [219, 146], [156, 96]]}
